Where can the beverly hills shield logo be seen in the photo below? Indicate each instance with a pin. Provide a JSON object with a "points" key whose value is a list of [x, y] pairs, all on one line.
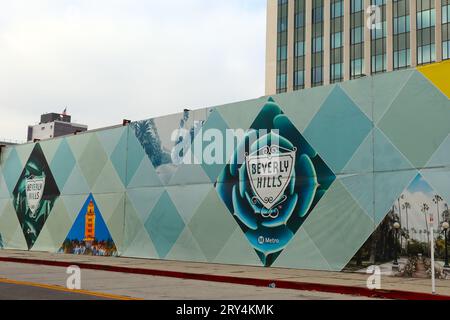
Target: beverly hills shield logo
{"points": [[269, 170], [34, 190]]}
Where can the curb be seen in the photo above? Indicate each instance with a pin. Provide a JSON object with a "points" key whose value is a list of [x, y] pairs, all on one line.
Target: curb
{"points": [[280, 284]]}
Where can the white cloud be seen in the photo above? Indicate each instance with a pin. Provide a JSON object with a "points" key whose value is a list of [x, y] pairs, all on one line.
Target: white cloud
{"points": [[113, 59]]}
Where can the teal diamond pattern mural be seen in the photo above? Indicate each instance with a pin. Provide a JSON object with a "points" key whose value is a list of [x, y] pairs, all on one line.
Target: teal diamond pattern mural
{"points": [[164, 225], [309, 192]]}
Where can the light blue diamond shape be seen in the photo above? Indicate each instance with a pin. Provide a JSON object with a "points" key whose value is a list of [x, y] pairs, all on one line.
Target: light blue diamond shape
{"points": [[338, 129], [4, 194], [62, 164], [135, 154], [164, 225], [12, 170], [215, 121], [118, 157]]}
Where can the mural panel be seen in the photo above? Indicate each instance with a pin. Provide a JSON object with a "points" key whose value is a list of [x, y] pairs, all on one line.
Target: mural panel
{"points": [[400, 245], [166, 140], [89, 234], [34, 195], [278, 185]]}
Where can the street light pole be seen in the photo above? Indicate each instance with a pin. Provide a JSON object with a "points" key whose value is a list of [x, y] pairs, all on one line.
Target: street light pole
{"points": [[397, 227], [433, 272], [400, 215]]}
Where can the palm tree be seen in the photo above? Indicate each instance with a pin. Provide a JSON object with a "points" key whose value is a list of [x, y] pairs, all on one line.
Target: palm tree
{"points": [[414, 232], [147, 134], [142, 128], [400, 207], [437, 199], [445, 213], [425, 208], [406, 206], [383, 239]]}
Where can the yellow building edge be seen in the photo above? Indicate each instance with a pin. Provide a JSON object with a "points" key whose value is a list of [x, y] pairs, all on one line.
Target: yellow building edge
{"points": [[438, 74]]}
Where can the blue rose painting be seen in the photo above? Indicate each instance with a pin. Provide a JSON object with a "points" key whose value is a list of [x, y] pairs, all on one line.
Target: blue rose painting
{"points": [[273, 182]]}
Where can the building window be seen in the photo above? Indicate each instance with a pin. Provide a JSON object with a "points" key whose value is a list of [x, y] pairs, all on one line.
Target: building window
{"points": [[282, 53], [378, 40], [357, 25], [299, 49], [317, 43], [357, 35], [357, 5], [426, 21], [336, 45], [317, 73], [445, 11], [337, 9], [299, 79], [282, 43], [336, 40], [445, 29], [281, 80], [401, 37], [299, 46]]}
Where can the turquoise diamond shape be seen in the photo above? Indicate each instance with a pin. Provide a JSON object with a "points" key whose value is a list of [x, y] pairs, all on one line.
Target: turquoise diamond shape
{"points": [[12, 169], [418, 120], [338, 129], [118, 157], [164, 225], [92, 160], [62, 164], [216, 122], [4, 193]]}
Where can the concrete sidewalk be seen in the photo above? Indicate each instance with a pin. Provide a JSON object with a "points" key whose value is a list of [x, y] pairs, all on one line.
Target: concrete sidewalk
{"points": [[97, 284], [333, 282]]}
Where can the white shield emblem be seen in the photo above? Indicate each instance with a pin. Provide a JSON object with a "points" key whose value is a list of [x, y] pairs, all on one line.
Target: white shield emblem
{"points": [[34, 190], [269, 171]]}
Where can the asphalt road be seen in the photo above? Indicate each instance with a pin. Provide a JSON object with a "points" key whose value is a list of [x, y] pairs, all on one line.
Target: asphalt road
{"points": [[10, 291], [22, 281]]}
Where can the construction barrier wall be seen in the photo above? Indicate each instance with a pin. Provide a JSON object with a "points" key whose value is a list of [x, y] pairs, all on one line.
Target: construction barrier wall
{"points": [[327, 167]]}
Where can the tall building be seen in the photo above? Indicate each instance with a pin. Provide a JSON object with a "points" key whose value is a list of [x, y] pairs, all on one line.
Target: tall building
{"points": [[89, 228], [54, 125], [318, 42]]}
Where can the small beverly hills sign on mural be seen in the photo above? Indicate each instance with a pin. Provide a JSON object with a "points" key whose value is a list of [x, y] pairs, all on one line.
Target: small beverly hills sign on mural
{"points": [[34, 191], [269, 171]]}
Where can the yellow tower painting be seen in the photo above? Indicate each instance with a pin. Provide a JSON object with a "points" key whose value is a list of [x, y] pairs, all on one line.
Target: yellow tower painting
{"points": [[89, 229]]}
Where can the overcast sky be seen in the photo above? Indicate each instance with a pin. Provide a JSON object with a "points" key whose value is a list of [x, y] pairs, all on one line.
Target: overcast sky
{"points": [[112, 59]]}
